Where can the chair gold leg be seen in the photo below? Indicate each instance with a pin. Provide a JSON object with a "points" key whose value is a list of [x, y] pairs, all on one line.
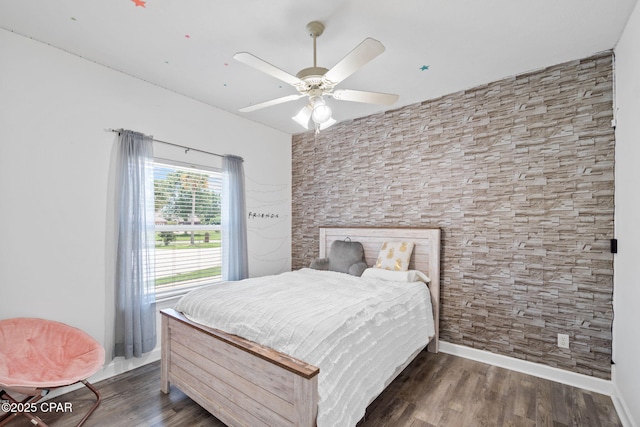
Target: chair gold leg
{"points": [[95, 405], [35, 420]]}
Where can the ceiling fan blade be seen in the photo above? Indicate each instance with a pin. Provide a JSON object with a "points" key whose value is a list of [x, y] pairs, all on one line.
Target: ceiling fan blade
{"points": [[265, 67], [366, 97], [359, 56], [276, 101], [303, 116]]}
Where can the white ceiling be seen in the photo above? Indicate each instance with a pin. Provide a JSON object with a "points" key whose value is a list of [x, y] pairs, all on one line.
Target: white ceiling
{"points": [[187, 46]]}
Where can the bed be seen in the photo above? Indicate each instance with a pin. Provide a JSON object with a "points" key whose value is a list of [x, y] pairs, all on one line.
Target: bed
{"points": [[242, 382]]}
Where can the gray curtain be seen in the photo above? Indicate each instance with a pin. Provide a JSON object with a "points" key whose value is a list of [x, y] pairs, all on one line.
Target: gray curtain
{"points": [[135, 317], [235, 262]]}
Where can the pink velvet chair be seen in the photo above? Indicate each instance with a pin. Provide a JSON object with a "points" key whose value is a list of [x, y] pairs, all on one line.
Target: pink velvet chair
{"points": [[38, 355]]}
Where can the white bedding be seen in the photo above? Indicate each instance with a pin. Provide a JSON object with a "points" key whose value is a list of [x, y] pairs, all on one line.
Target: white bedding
{"points": [[357, 331]]}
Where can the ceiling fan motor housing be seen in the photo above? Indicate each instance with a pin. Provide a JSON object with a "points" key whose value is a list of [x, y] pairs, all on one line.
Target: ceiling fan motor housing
{"points": [[312, 76]]}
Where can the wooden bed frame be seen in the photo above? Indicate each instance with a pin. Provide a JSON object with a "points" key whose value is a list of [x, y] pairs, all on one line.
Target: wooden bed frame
{"points": [[246, 384]]}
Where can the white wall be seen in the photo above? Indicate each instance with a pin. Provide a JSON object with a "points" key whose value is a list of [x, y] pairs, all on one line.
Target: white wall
{"points": [[626, 338], [56, 177]]}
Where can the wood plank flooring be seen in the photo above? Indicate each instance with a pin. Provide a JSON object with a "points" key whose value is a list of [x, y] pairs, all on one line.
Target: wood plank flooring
{"points": [[435, 390]]}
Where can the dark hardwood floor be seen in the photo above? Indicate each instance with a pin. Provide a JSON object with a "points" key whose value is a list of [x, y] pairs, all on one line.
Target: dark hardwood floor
{"points": [[435, 390]]}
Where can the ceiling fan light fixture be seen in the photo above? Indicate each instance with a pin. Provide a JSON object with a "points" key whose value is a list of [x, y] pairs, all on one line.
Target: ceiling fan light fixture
{"points": [[327, 124], [303, 116], [321, 112]]}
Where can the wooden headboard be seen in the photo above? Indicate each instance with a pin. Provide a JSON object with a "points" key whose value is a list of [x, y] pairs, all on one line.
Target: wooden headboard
{"points": [[425, 257]]}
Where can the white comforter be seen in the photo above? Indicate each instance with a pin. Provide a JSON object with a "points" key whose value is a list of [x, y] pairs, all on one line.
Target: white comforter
{"points": [[357, 331]]}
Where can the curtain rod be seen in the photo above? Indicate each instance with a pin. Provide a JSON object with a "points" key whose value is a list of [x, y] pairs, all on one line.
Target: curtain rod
{"points": [[186, 149]]}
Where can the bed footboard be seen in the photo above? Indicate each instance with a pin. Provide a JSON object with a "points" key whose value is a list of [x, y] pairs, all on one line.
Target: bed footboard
{"points": [[238, 381]]}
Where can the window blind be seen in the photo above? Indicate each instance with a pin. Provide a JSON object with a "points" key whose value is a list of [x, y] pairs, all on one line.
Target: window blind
{"points": [[187, 228]]}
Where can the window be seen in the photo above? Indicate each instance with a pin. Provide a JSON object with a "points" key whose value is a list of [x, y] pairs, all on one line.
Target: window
{"points": [[187, 228]]}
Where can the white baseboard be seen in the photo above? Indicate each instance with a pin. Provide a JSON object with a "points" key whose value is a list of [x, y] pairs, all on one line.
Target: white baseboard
{"points": [[620, 404], [537, 370], [622, 409], [120, 365]]}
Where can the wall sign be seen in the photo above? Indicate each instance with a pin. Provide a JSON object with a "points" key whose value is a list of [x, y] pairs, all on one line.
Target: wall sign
{"points": [[261, 215]]}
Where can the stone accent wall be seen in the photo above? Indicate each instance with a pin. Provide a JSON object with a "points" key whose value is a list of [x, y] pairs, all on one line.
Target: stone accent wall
{"points": [[519, 175]]}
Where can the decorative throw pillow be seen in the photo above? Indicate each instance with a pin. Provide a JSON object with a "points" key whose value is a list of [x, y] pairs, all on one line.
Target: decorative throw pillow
{"points": [[395, 256]]}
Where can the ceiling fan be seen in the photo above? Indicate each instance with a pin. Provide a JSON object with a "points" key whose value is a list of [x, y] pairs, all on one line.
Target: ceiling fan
{"points": [[316, 83]]}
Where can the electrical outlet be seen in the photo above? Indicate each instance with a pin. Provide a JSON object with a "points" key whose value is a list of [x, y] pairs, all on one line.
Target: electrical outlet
{"points": [[563, 340]]}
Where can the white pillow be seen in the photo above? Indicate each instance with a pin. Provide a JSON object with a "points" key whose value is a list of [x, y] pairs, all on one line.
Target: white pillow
{"points": [[408, 276], [395, 256]]}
